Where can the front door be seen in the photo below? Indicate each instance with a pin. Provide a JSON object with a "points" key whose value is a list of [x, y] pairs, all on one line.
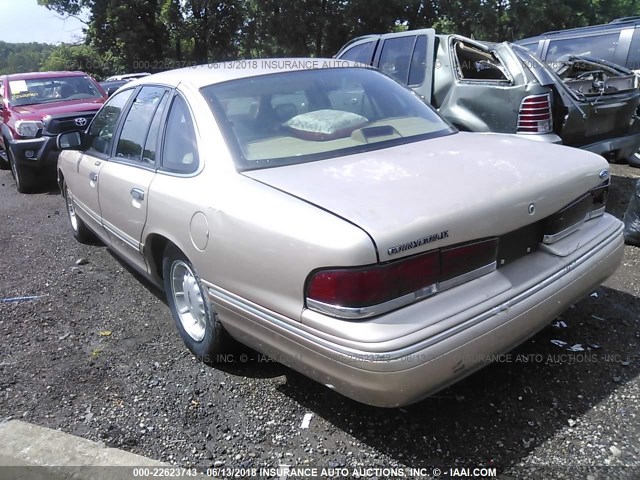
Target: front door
{"points": [[85, 167]]}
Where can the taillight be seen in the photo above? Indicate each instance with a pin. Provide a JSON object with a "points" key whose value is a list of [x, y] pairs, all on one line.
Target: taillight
{"points": [[535, 114], [367, 291], [570, 218], [355, 288], [459, 262]]}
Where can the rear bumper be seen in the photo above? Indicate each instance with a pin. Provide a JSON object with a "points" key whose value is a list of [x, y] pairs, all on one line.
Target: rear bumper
{"points": [[616, 148], [392, 372]]}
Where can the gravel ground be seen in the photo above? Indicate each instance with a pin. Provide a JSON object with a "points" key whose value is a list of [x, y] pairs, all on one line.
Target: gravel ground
{"points": [[97, 355]]}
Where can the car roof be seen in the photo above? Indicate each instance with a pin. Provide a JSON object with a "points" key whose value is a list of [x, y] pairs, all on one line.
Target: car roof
{"points": [[203, 75], [113, 82], [38, 75], [617, 24], [127, 76]]}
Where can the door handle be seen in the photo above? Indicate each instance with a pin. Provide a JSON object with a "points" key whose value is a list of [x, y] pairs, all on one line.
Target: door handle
{"points": [[93, 176], [137, 194]]}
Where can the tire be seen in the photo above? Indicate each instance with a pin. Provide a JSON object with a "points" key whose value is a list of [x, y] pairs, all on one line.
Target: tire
{"points": [[4, 160], [24, 177], [198, 324], [634, 160], [80, 231]]}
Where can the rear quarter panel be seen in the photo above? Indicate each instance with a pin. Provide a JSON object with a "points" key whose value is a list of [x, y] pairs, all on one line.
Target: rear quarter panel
{"points": [[481, 106], [261, 243]]}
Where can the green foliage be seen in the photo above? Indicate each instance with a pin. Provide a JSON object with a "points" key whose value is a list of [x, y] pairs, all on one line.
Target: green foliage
{"points": [[152, 35], [80, 57], [23, 57]]}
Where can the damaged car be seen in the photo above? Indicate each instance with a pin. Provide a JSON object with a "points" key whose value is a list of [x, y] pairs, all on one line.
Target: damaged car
{"points": [[331, 219], [503, 88], [617, 42]]}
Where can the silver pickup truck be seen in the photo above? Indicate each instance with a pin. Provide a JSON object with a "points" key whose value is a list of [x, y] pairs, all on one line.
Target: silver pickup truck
{"points": [[482, 87]]}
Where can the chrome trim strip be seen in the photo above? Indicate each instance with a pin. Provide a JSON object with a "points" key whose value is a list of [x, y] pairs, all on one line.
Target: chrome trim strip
{"points": [[373, 310], [123, 237], [243, 305], [549, 239], [596, 213], [467, 277], [85, 209]]}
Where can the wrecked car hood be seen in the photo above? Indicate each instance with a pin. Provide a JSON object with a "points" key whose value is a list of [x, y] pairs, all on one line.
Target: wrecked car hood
{"points": [[591, 76]]}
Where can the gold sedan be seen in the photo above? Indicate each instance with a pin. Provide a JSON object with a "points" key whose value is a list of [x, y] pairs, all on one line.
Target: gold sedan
{"points": [[323, 214]]}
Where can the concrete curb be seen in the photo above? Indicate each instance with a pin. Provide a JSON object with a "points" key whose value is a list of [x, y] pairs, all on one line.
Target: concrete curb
{"points": [[30, 452]]}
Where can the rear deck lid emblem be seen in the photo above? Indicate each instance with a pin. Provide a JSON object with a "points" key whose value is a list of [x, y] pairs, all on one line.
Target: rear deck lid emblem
{"points": [[419, 242]]}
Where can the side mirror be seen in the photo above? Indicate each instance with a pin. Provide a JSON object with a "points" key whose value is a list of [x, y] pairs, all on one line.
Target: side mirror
{"points": [[69, 140], [111, 91]]}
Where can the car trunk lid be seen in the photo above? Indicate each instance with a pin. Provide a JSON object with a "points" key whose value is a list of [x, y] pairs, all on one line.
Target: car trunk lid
{"points": [[443, 191]]}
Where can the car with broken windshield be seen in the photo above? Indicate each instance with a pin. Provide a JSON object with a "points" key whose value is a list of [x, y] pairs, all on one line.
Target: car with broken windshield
{"points": [[486, 87], [331, 219]]}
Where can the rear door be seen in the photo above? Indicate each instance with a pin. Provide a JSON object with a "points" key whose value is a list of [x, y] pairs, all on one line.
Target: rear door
{"points": [[126, 177]]}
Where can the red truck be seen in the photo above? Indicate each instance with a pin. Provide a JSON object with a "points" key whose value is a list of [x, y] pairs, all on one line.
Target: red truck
{"points": [[34, 109]]}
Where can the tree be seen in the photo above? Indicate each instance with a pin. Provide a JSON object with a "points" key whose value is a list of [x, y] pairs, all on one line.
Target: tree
{"points": [[155, 34], [23, 57], [78, 57], [214, 27]]}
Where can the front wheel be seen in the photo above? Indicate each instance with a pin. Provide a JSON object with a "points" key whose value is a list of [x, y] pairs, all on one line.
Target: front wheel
{"points": [[80, 231], [192, 312], [24, 177], [4, 160]]}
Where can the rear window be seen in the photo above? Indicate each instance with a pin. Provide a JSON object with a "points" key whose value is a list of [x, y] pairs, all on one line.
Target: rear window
{"points": [[295, 117], [531, 46], [48, 90], [598, 46]]}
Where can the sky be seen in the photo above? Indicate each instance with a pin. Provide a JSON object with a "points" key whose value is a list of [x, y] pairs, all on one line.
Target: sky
{"points": [[24, 21]]}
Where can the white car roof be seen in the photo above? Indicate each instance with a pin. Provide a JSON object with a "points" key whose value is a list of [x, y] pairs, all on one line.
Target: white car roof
{"points": [[202, 75], [126, 76]]}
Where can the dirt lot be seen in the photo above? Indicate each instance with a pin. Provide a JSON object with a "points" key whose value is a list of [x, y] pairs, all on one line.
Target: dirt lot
{"points": [[97, 355]]}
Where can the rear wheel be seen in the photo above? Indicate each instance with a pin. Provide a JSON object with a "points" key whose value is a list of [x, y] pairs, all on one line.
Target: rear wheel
{"points": [[192, 312], [80, 231], [24, 177]]}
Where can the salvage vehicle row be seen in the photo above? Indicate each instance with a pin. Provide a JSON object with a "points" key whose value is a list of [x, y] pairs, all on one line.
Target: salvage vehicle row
{"points": [[503, 88]]}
